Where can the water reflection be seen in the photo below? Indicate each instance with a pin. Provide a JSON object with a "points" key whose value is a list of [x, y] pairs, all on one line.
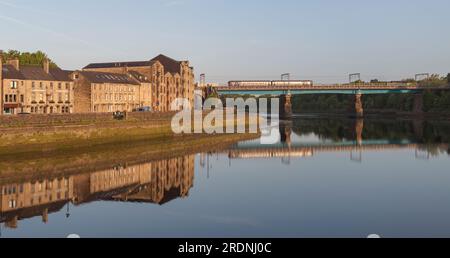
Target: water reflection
{"points": [[38, 187], [153, 182], [303, 138]]}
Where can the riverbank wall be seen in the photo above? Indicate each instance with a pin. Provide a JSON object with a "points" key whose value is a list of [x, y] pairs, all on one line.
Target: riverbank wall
{"points": [[50, 133]]}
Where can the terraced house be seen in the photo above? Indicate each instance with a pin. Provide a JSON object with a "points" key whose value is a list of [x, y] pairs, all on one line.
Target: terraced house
{"points": [[101, 92], [170, 78], [34, 89]]}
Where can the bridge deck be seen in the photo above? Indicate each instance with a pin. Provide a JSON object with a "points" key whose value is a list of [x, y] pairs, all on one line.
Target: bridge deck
{"points": [[328, 88]]}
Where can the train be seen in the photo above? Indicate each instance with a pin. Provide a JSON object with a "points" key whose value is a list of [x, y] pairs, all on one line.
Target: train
{"points": [[291, 83]]}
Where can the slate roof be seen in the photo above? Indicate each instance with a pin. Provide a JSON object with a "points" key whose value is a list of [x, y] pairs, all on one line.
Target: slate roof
{"points": [[139, 77], [101, 77], [118, 64], [170, 65], [35, 73]]}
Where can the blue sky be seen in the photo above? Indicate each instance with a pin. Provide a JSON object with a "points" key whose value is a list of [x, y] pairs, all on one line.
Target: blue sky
{"points": [[322, 40]]}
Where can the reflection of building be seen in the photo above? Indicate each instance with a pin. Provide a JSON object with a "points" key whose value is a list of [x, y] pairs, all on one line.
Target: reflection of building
{"points": [[170, 179], [154, 182], [24, 200], [35, 89]]}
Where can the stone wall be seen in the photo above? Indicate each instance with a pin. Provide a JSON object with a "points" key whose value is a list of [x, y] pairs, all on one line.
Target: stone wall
{"points": [[41, 120]]}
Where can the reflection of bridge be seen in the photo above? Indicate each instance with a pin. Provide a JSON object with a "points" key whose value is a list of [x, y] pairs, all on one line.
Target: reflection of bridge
{"points": [[286, 90], [356, 145], [240, 152]]}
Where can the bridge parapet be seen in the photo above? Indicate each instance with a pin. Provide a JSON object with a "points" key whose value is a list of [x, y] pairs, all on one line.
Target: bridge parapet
{"points": [[353, 86]]}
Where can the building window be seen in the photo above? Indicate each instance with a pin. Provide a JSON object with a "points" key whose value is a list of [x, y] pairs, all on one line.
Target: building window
{"points": [[12, 204], [33, 85], [13, 85], [41, 85]]}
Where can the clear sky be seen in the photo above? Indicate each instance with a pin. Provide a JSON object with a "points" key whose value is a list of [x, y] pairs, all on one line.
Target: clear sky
{"points": [[322, 40]]}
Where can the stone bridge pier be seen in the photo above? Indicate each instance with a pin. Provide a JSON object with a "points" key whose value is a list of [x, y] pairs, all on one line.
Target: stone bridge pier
{"points": [[356, 107], [286, 106], [418, 103]]}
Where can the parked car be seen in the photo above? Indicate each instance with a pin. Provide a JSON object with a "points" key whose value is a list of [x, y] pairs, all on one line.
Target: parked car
{"points": [[143, 109], [118, 115]]}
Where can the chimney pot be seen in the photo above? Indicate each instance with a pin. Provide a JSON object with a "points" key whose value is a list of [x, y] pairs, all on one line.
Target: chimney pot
{"points": [[46, 66], [15, 63]]}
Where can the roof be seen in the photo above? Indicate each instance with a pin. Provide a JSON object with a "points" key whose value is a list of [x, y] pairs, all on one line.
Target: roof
{"points": [[61, 75], [36, 73], [101, 77], [139, 77], [9, 72], [170, 65], [118, 64]]}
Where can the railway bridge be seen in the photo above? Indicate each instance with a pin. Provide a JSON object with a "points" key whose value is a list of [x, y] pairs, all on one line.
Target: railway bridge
{"points": [[285, 89]]}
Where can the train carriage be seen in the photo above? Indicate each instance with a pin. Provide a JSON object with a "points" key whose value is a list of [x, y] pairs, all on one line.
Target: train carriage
{"points": [[274, 84]]}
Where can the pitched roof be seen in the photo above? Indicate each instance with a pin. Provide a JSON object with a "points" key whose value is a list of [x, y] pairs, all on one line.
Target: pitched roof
{"points": [[9, 72], [139, 77], [60, 75], [101, 77], [118, 64], [170, 65], [37, 73]]}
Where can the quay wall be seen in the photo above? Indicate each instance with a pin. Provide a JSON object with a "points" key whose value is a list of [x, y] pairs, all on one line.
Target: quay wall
{"points": [[49, 120]]}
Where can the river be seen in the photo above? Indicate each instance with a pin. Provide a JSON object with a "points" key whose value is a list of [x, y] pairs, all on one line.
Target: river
{"points": [[324, 178]]}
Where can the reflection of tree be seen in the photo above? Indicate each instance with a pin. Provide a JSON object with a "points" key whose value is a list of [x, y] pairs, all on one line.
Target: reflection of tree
{"points": [[429, 132]]}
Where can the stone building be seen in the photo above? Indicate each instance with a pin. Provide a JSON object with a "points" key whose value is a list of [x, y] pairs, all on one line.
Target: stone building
{"points": [[35, 89], [170, 78], [101, 92]]}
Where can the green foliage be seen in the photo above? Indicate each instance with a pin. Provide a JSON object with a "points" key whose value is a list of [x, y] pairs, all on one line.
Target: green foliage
{"points": [[435, 80], [26, 58], [409, 80], [434, 101], [319, 103], [448, 78]]}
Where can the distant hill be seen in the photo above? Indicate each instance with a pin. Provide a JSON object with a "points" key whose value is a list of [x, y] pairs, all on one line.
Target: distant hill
{"points": [[27, 58]]}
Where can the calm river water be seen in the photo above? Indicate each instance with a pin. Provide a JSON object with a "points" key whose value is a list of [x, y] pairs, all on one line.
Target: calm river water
{"points": [[325, 178]]}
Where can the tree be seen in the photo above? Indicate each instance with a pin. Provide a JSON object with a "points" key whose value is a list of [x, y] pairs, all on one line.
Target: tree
{"points": [[448, 78], [27, 58]]}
